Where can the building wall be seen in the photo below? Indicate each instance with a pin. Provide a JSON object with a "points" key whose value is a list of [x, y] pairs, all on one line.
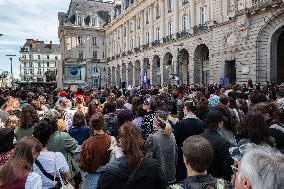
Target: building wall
{"points": [[30, 65], [231, 32]]}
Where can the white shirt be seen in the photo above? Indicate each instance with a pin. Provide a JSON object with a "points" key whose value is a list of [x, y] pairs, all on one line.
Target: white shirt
{"points": [[33, 181], [48, 160]]}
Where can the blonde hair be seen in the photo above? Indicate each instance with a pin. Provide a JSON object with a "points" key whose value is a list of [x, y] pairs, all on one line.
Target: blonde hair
{"points": [[12, 122]]}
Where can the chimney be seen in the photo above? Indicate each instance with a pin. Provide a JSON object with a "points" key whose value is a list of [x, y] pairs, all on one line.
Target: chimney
{"points": [[50, 44]]}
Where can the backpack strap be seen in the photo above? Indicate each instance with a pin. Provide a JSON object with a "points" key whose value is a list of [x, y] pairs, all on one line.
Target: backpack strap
{"points": [[49, 176]]}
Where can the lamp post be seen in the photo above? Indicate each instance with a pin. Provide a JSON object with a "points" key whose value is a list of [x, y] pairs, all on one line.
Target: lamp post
{"points": [[11, 59]]}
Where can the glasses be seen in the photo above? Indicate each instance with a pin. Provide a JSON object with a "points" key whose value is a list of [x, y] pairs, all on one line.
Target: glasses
{"points": [[235, 168]]}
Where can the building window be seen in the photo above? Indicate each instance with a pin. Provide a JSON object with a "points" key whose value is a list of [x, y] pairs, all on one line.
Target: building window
{"points": [[31, 71], [147, 37], [138, 41], [170, 6], [158, 34], [81, 55], [124, 31], [94, 22], [170, 28], [203, 15], [95, 55], [30, 57], [25, 64], [56, 57], [184, 2], [79, 20], [185, 22], [138, 23], [131, 44], [30, 64], [39, 71], [80, 40], [157, 12], [96, 70], [47, 64], [39, 64], [131, 26], [38, 57], [94, 41], [147, 17], [103, 55], [47, 57]]}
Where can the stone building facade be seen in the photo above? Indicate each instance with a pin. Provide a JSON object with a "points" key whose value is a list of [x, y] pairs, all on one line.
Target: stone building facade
{"points": [[197, 41], [37, 57], [82, 38], [177, 41]]}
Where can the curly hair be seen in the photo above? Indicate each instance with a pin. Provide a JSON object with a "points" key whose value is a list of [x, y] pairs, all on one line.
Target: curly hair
{"points": [[97, 122], [29, 117], [202, 105], [132, 144]]}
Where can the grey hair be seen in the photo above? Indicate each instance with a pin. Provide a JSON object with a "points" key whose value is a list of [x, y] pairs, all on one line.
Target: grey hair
{"points": [[263, 166]]}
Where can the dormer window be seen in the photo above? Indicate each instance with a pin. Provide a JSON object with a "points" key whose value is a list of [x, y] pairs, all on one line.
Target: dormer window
{"points": [[79, 20], [94, 22]]}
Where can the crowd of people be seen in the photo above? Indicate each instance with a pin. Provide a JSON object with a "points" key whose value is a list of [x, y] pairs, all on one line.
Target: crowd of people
{"points": [[186, 137]]}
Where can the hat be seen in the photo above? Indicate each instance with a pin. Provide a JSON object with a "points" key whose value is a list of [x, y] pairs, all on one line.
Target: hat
{"points": [[51, 115], [213, 101], [214, 117], [238, 152], [63, 94]]}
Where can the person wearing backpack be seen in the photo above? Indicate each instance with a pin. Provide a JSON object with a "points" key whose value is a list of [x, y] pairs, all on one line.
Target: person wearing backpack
{"points": [[198, 155], [132, 170]]}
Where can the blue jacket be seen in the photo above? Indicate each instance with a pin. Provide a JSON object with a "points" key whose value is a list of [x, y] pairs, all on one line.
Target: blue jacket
{"points": [[79, 133]]}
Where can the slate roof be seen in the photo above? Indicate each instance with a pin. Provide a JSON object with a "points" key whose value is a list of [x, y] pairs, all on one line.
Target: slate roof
{"points": [[40, 47], [89, 8]]}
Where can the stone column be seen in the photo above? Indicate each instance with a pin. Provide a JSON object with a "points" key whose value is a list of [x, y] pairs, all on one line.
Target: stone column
{"points": [[127, 36], [211, 10], [192, 13], [142, 24], [176, 16], [162, 12], [134, 31], [151, 32]]}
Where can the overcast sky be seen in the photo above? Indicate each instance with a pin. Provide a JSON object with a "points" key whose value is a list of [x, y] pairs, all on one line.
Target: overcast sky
{"points": [[22, 19]]}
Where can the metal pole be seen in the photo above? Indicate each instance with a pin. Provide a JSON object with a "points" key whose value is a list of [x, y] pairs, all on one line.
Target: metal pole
{"points": [[11, 59]]}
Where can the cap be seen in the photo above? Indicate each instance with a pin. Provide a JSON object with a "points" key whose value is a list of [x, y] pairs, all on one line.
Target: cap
{"points": [[51, 115], [63, 94], [214, 117]]}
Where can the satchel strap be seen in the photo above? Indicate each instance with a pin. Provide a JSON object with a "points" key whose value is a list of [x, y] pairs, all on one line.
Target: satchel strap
{"points": [[49, 176]]}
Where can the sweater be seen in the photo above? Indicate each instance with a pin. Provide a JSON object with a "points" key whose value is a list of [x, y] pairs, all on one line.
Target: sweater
{"points": [[79, 133], [163, 148]]}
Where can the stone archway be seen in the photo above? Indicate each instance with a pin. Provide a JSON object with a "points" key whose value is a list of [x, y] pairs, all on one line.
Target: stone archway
{"points": [[118, 76], [146, 67], [183, 67], [109, 75], [168, 68], [113, 74], [130, 72], [137, 73], [201, 64], [123, 72], [156, 71], [270, 50]]}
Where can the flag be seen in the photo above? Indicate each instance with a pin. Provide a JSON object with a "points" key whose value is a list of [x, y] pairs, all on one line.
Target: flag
{"points": [[145, 79]]}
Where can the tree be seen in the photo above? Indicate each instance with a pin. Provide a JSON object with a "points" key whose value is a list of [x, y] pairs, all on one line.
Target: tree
{"points": [[50, 75]]}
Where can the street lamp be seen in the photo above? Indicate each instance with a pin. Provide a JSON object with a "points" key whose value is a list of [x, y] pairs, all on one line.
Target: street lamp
{"points": [[11, 59]]}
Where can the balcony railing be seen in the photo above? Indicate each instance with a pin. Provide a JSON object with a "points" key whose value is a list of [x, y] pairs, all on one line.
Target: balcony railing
{"points": [[155, 43], [200, 28]]}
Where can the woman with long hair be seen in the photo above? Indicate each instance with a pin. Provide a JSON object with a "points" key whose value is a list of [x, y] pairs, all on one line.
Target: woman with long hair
{"points": [[161, 146], [95, 151], [17, 171], [29, 118], [132, 170], [255, 129]]}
